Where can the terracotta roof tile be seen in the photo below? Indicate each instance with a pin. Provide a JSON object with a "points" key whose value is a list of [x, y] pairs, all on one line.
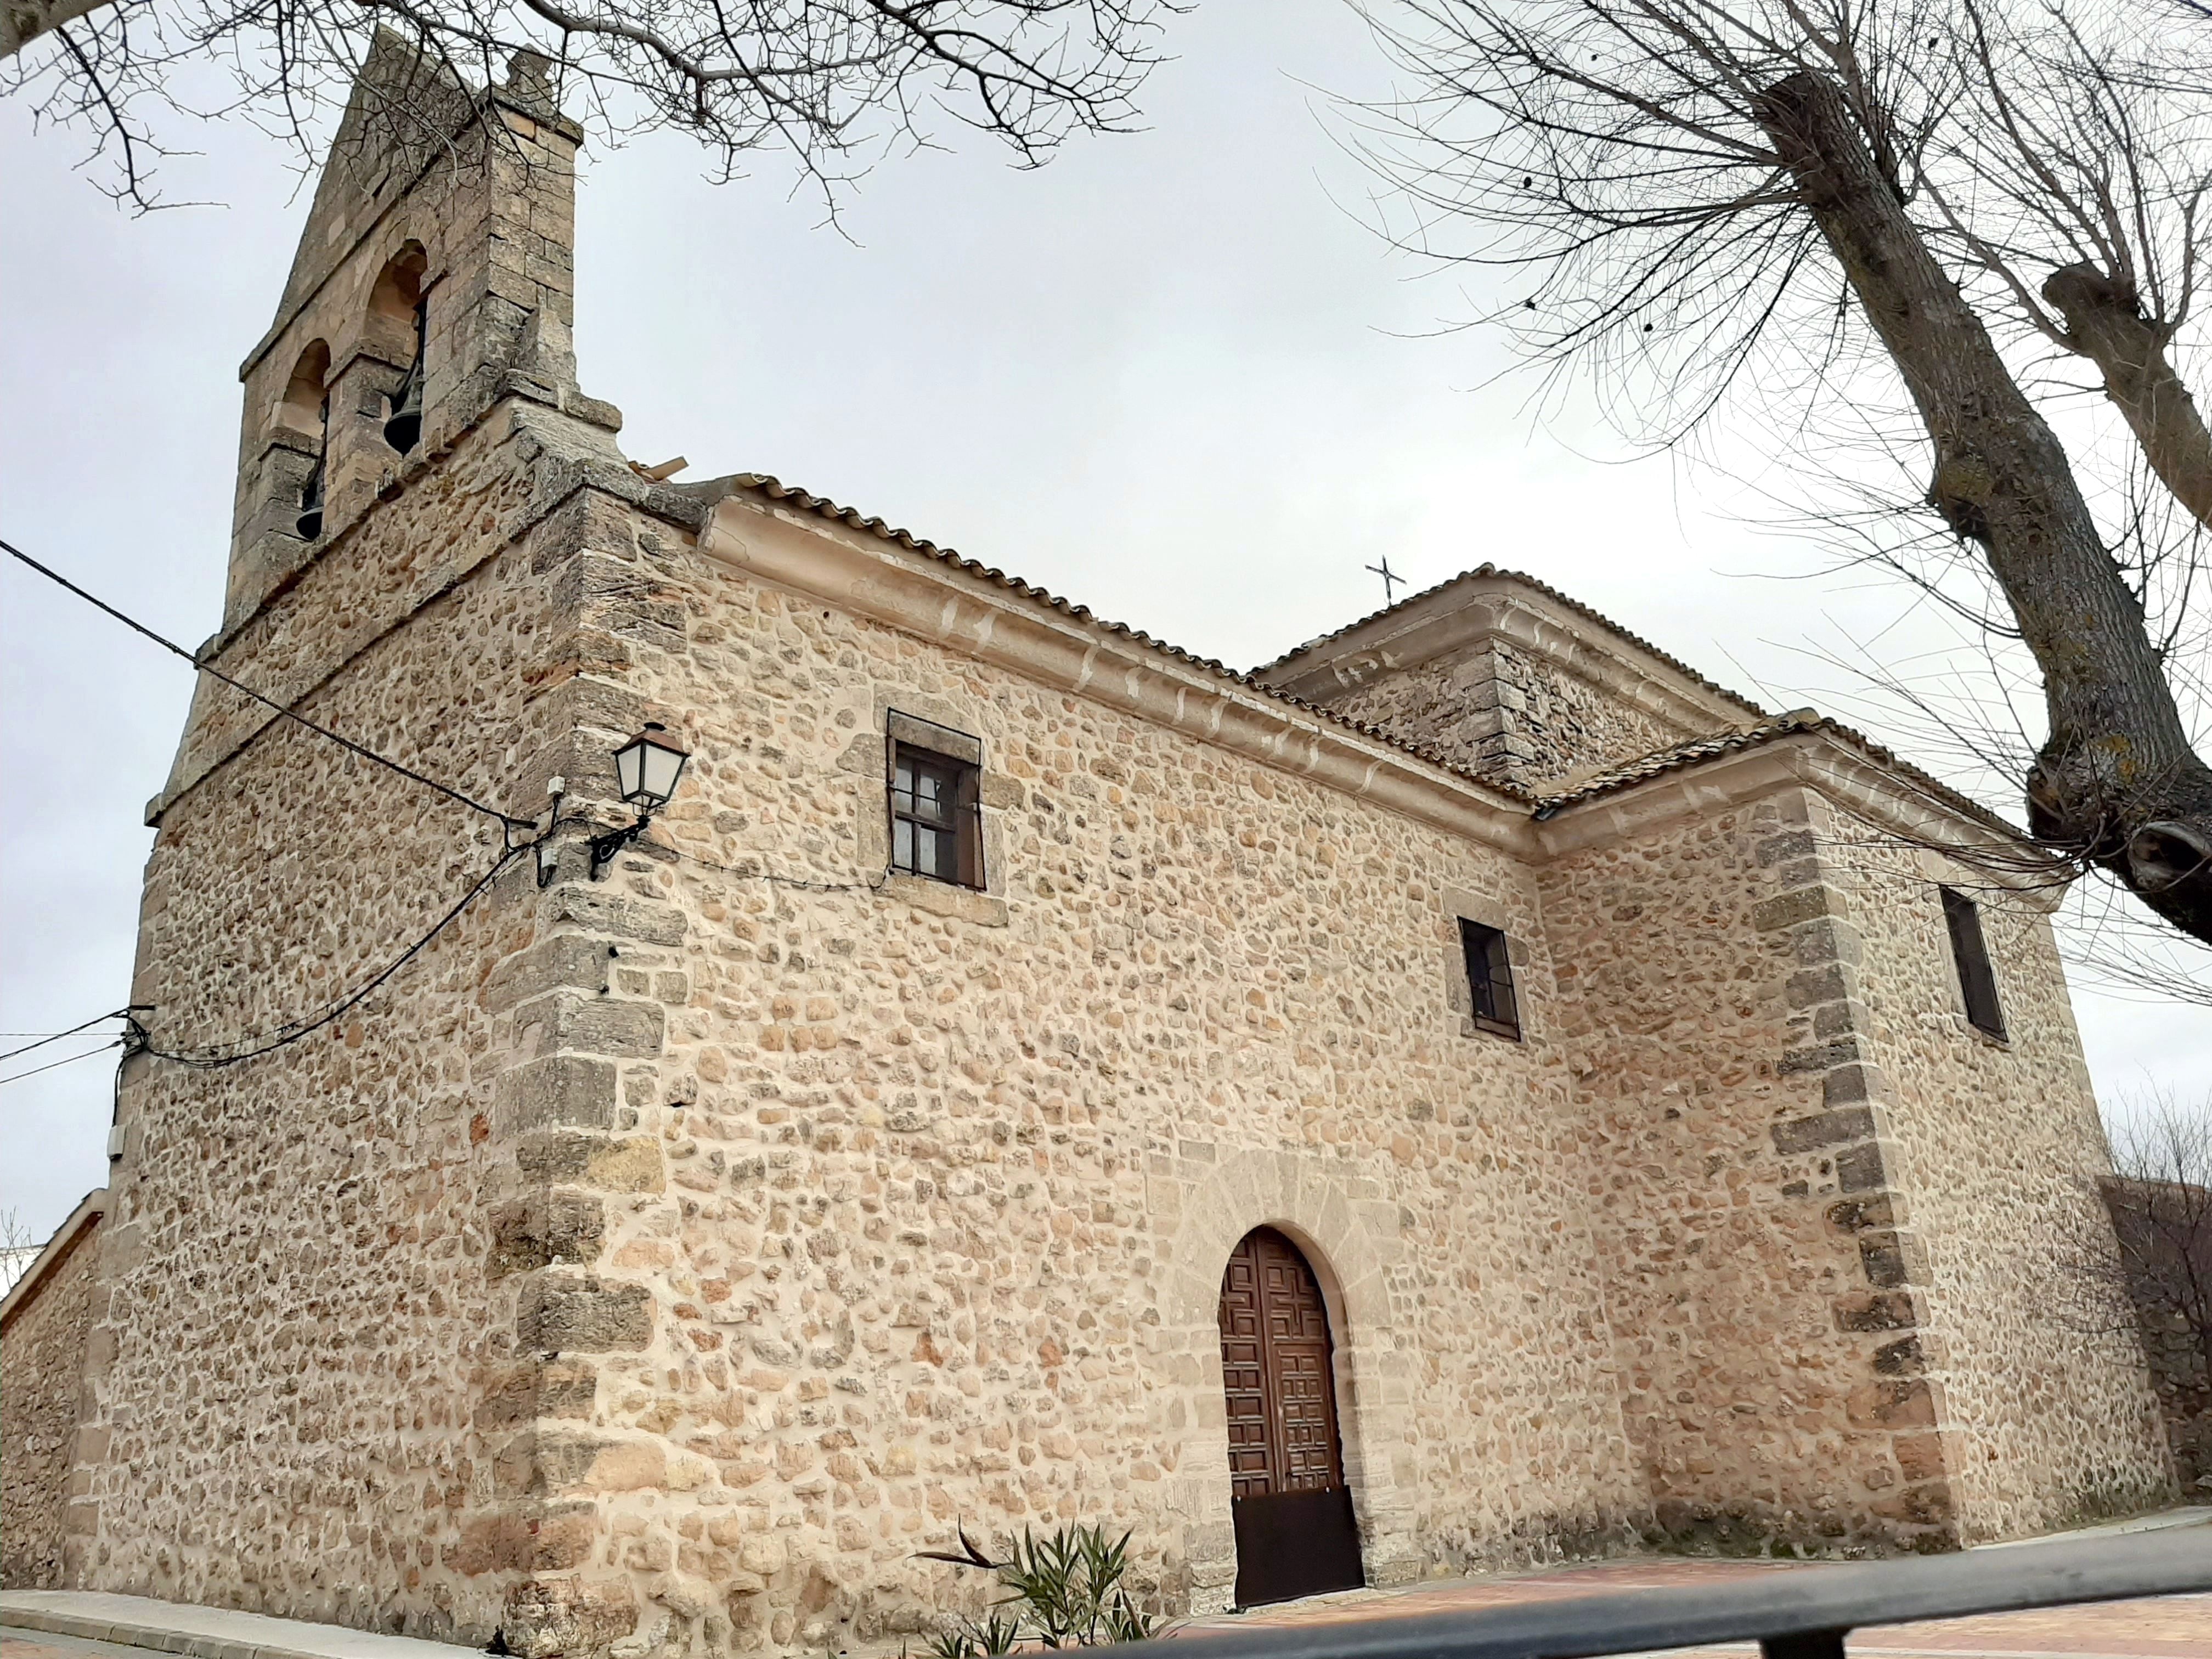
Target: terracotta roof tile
{"points": [[1681, 755], [1675, 758], [1549, 592], [775, 491]]}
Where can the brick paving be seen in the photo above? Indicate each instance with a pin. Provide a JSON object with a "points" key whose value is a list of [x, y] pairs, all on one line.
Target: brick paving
{"points": [[2160, 1627], [27, 1645]]}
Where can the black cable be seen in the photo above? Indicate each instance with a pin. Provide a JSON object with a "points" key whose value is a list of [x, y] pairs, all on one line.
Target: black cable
{"points": [[55, 1036], [294, 1031], [52, 1064], [801, 882], [507, 821], [137, 1040]]}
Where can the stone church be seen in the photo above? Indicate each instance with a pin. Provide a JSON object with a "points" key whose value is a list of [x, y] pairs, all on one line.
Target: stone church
{"points": [[1468, 1090]]}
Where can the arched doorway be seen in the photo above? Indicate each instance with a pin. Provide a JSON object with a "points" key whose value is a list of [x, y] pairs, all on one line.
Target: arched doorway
{"points": [[1295, 1532]]}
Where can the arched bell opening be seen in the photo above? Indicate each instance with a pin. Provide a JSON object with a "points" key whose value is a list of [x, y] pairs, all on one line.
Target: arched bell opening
{"points": [[397, 302], [305, 408], [1291, 1506]]}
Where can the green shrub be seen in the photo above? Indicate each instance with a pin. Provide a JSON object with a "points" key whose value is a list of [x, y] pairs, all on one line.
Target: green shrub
{"points": [[1065, 1591]]}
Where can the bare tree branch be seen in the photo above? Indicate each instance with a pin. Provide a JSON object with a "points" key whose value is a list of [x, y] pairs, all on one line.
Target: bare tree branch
{"points": [[1685, 187], [830, 83], [2104, 323]]}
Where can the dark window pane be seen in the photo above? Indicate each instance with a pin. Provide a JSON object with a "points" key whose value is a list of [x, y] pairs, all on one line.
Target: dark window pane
{"points": [[933, 817], [1490, 979], [1978, 980]]}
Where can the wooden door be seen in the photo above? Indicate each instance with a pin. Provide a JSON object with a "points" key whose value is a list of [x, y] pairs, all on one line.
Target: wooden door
{"points": [[1295, 1532]]}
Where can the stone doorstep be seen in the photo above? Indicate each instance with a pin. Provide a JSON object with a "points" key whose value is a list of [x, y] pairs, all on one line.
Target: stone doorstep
{"points": [[141, 1621]]}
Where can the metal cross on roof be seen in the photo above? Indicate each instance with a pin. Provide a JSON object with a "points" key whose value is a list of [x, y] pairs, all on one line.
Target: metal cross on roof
{"points": [[1388, 577]]}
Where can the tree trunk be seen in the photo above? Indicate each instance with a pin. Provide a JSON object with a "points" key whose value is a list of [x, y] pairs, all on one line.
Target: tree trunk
{"points": [[23, 22], [2105, 326], [2118, 781]]}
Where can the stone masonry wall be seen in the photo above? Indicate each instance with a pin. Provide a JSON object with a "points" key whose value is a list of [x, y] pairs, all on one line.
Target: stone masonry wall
{"points": [[297, 1334], [2050, 1419], [917, 1216], [1509, 712], [482, 215], [41, 1368], [1772, 1385], [2166, 1230]]}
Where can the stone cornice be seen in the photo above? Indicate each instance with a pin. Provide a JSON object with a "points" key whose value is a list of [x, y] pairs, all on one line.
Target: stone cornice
{"points": [[928, 597], [1887, 802], [1476, 610], [561, 470], [804, 544]]}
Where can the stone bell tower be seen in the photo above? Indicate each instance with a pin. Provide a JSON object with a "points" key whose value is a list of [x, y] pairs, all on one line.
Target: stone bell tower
{"points": [[375, 1032], [434, 276]]}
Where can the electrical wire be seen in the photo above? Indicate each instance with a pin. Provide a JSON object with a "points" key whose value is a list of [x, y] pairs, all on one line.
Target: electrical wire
{"points": [[207, 1059], [507, 821], [137, 1040], [44, 1037], [800, 883], [212, 1056], [52, 1064]]}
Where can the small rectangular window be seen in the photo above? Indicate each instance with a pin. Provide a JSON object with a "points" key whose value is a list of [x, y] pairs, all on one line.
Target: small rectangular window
{"points": [[1490, 980], [935, 804], [1977, 982]]}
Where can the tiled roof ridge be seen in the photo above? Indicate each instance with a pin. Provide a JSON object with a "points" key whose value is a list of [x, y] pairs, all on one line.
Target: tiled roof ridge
{"points": [[1487, 569], [776, 490], [1677, 756]]}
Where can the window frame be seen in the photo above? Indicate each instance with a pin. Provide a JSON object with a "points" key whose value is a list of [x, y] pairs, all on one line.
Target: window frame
{"points": [[1487, 964], [1970, 958], [957, 761]]}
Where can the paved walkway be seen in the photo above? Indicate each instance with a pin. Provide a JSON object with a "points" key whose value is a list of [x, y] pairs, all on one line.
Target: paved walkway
{"points": [[74, 1624], [57, 1625], [2166, 1628]]}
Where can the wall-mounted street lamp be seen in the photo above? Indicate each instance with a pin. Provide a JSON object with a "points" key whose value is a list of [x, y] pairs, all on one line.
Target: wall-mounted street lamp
{"points": [[647, 768]]}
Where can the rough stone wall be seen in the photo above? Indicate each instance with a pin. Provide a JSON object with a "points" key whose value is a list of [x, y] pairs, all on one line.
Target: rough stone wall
{"points": [[1771, 1386], [2049, 1415], [916, 1214], [1505, 712], [296, 1336], [41, 1367], [487, 219], [2166, 1230], [665, 1259]]}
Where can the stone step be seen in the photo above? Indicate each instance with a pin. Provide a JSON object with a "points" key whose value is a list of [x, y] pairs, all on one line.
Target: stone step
{"points": [[141, 1621]]}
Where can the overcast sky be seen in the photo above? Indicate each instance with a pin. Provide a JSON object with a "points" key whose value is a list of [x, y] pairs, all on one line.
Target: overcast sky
{"points": [[1174, 376]]}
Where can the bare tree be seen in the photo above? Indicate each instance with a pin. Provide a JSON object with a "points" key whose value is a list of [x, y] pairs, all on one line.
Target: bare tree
{"points": [[828, 82], [2160, 1200], [18, 1246], [1814, 204]]}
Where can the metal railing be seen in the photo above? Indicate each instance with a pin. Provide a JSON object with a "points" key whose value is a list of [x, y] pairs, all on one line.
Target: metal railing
{"points": [[1803, 1613]]}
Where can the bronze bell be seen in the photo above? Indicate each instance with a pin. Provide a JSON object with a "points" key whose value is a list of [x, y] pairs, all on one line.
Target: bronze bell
{"points": [[310, 522], [404, 430]]}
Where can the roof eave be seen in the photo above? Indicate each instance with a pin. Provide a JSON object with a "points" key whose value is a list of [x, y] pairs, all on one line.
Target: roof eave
{"points": [[868, 568], [1898, 800], [90, 1208]]}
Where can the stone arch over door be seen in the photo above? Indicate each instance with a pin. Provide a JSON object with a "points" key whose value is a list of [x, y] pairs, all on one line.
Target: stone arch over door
{"points": [[1338, 1216]]}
